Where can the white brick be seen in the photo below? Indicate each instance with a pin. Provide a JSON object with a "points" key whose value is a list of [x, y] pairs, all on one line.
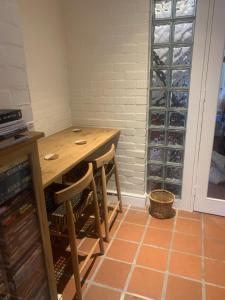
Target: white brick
{"points": [[136, 75], [135, 153], [124, 116], [10, 34], [115, 108], [6, 99], [140, 132], [136, 92], [21, 96], [126, 84], [142, 84], [114, 92], [141, 117], [128, 131], [124, 67]]}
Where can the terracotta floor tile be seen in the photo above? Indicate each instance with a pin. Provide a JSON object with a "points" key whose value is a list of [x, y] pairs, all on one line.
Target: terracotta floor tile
{"points": [[179, 288], [187, 243], [214, 230], [214, 293], [113, 228], [96, 292], [120, 215], [186, 265], [113, 273], [69, 291], [88, 243], [90, 267], [214, 218], [137, 217], [189, 215], [130, 232], [215, 272], [166, 224], [214, 248], [188, 226], [158, 237], [146, 283], [122, 250], [153, 257]]}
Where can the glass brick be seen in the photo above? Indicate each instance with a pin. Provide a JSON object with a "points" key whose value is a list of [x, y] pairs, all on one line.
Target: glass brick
{"points": [[179, 99], [160, 78], [185, 8], [157, 137], [175, 156], [177, 119], [156, 154], [155, 170], [158, 98], [175, 138], [181, 78], [154, 185], [161, 56], [157, 118], [173, 188], [162, 9], [162, 34], [183, 33], [174, 173], [182, 56]]}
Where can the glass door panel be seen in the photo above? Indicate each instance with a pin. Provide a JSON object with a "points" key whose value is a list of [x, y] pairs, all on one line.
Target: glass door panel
{"points": [[216, 185]]}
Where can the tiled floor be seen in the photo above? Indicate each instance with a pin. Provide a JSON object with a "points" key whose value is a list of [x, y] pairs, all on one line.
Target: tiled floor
{"points": [[177, 259]]}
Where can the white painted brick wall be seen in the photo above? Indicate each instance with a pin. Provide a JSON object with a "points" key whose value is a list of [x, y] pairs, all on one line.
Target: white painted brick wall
{"points": [[47, 66], [14, 92], [108, 64]]}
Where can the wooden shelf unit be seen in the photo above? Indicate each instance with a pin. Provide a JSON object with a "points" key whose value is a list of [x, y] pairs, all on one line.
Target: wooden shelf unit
{"points": [[26, 264]]}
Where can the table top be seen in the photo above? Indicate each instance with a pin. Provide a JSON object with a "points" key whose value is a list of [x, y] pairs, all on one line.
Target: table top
{"points": [[69, 154]]}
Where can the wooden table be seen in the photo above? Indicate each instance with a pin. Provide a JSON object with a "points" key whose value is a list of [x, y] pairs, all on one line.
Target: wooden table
{"points": [[70, 154]]}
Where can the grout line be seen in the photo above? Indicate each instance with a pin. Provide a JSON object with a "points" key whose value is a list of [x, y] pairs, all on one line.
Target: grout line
{"points": [[203, 259], [124, 240], [216, 285], [166, 274], [132, 223], [91, 280], [135, 259], [139, 296], [106, 286]]}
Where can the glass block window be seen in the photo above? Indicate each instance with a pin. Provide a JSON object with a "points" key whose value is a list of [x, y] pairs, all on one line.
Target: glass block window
{"points": [[172, 38]]}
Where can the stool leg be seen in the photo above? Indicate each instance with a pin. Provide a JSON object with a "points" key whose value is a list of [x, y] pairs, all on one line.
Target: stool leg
{"points": [[118, 185], [73, 246], [105, 203], [97, 217]]}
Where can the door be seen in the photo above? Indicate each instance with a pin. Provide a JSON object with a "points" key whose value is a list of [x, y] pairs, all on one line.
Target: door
{"points": [[209, 187]]}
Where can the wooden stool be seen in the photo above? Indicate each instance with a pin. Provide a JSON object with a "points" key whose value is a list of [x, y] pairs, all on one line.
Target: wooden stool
{"points": [[72, 200], [106, 166]]}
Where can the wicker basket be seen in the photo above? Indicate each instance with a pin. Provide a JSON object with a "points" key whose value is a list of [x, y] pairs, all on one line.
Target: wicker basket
{"points": [[161, 202]]}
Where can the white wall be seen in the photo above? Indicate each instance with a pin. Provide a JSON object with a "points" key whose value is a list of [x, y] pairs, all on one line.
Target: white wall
{"points": [[46, 58], [14, 91], [108, 69]]}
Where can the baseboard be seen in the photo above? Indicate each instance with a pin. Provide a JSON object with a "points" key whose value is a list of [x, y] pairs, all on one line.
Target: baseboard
{"points": [[141, 201], [135, 200]]}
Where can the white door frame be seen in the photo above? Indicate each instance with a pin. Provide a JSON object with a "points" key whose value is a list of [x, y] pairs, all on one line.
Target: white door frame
{"points": [[215, 60], [196, 100]]}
